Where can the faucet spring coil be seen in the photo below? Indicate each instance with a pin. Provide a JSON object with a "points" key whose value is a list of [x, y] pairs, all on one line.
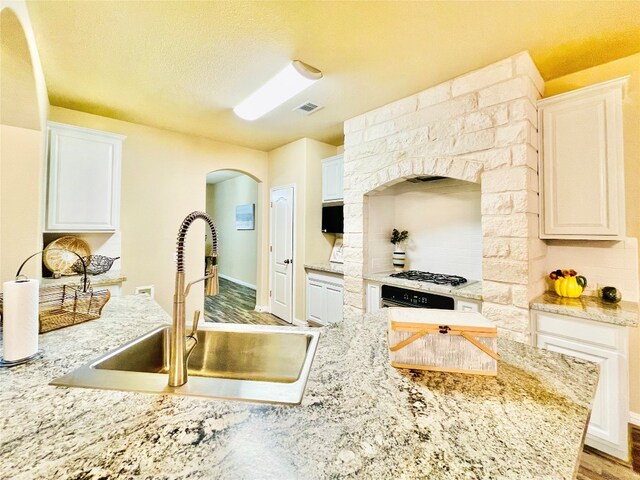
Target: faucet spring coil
{"points": [[182, 233]]}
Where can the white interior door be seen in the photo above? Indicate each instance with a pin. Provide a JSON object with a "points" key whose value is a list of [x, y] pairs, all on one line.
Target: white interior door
{"points": [[282, 253]]}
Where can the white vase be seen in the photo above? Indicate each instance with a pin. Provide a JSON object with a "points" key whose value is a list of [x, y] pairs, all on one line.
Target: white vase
{"points": [[399, 257]]}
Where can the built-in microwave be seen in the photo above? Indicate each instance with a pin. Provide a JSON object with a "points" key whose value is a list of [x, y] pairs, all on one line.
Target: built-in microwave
{"points": [[332, 219]]}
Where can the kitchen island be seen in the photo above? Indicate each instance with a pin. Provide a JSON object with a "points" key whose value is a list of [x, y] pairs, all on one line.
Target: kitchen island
{"points": [[360, 417]]}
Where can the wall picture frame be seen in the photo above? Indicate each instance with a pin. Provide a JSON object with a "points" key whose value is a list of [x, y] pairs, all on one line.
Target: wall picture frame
{"points": [[246, 216], [336, 252]]}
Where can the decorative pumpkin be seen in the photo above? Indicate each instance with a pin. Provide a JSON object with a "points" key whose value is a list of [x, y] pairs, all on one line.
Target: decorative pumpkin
{"points": [[570, 286]]}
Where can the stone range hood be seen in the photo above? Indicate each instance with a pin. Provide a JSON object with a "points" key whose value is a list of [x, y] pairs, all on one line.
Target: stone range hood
{"points": [[480, 127]]}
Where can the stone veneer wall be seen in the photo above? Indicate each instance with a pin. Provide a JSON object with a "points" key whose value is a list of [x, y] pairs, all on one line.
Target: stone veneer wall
{"points": [[480, 127]]}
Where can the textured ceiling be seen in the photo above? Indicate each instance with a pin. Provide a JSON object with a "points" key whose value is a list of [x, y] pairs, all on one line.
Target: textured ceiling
{"points": [[184, 65]]}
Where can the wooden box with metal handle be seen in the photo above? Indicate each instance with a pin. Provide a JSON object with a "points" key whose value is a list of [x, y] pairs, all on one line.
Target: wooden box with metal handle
{"points": [[442, 340]]}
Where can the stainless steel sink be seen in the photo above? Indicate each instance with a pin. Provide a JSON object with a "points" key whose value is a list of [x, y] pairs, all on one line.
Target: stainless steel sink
{"points": [[242, 362]]}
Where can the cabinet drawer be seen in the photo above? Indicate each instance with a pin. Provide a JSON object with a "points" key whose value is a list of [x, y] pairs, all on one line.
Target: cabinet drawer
{"points": [[467, 306], [325, 278], [582, 330]]}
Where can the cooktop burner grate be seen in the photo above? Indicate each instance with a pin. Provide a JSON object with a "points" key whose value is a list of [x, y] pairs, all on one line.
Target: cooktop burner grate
{"points": [[437, 278]]}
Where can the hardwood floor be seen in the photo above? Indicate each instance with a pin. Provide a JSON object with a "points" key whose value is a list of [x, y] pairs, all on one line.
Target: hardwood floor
{"points": [[236, 304], [596, 466]]}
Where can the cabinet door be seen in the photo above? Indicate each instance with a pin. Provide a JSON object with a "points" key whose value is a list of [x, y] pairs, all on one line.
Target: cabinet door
{"points": [[315, 302], [333, 299], [582, 166], [373, 298], [84, 180], [332, 179], [607, 426]]}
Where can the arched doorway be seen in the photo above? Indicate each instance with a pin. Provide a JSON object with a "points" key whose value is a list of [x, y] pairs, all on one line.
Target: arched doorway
{"points": [[233, 202], [21, 150]]}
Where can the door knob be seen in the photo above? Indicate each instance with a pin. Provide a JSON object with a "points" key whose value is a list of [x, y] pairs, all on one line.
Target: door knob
{"points": [[287, 261]]}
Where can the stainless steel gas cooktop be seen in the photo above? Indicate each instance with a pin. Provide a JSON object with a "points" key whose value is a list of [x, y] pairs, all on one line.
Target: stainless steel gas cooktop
{"points": [[437, 278]]}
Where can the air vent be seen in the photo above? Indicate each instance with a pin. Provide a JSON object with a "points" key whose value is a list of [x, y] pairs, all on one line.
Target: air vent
{"points": [[307, 108], [424, 179]]}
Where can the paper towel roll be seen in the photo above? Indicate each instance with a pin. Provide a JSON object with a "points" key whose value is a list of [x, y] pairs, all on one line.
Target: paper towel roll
{"points": [[20, 319]]}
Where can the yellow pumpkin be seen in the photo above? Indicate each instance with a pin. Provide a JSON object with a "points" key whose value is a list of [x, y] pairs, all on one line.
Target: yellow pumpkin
{"points": [[569, 286]]}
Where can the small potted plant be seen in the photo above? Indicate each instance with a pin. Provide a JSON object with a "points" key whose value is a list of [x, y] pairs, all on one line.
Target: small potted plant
{"points": [[398, 238]]}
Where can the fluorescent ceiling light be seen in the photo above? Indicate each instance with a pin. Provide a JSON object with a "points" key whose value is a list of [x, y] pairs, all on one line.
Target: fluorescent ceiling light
{"points": [[287, 83]]}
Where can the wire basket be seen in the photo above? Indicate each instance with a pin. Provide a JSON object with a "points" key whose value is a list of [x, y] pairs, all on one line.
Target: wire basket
{"points": [[65, 305], [94, 264]]}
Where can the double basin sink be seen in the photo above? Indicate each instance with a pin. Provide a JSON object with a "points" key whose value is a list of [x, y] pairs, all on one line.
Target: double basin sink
{"points": [[239, 362]]}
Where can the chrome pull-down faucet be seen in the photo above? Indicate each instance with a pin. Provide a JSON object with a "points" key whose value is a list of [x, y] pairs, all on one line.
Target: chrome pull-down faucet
{"points": [[181, 345]]}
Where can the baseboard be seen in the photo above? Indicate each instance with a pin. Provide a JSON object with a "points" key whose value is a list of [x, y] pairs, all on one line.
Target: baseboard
{"points": [[634, 419], [295, 322], [611, 449], [239, 282]]}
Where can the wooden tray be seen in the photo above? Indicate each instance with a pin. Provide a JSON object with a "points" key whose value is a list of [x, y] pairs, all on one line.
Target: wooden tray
{"points": [[58, 260], [442, 340]]}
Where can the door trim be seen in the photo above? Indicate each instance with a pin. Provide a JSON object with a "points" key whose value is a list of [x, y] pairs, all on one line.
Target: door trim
{"points": [[294, 250]]}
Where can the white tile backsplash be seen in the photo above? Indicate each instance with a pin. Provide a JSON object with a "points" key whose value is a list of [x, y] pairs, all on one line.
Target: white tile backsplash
{"points": [[602, 263], [444, 223]]}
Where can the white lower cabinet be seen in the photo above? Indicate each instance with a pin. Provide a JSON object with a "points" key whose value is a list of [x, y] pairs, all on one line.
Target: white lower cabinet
{"points": [[468, 306], [606, 345], [373, 297], [324, 298]]}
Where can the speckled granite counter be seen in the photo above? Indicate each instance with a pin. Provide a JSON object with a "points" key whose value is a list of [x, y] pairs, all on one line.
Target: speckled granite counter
{"points": [[624, 313], [104, 279], [472, 290], [360, 417], [337, 268]]}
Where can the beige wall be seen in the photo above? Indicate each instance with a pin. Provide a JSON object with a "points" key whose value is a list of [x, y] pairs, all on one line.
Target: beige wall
{"points": [[163, 179], [318, 245], [237, 249], [287, 167], [20, 197], [300, 163], [624, 66]]}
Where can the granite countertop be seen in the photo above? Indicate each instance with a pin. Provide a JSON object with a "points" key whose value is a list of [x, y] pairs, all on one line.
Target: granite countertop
{"points": [[471, 290], [623, 313], [337, 268], [360, 417], [111, 277]]}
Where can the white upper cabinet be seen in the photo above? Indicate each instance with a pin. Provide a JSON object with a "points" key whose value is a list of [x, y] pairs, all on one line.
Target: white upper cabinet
{"points": [[332, 175], [582, 163], [83, 179]]}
